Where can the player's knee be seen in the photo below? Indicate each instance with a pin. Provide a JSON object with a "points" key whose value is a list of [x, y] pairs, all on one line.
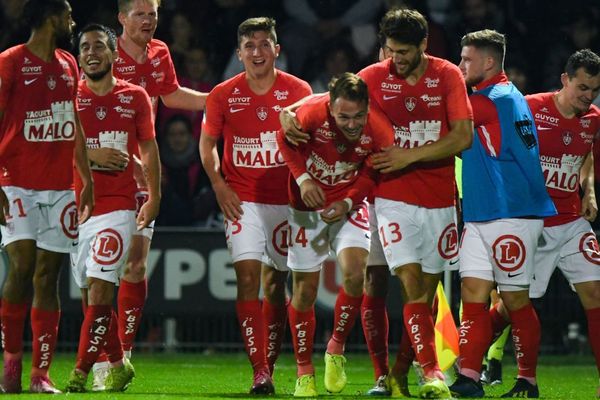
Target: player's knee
{"points": [[305, 296], [275, 293], [376, 282], [247, 287], [353, 283], [136, 269], [45, 280]]}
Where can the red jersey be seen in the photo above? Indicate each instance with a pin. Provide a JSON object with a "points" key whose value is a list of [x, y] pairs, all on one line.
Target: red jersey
{"points": [[39, 126], [157, 75], [421, 114], [252, 163], [337, 165], [564, 144], [119, 120]]}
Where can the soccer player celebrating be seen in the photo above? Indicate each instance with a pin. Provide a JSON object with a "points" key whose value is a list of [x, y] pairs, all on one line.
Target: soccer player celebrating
{"points": [[567, 124], [329, 181], [117, 117], [504, 202], [244, 111], [40, 128]]}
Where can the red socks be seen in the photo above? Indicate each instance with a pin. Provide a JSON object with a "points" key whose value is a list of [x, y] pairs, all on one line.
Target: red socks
{"points": [[275, 318], [405, 355], [250, 318], [346, 310], [131, 299], [375, 328], [419, 325], [13, 322], [302, 326], [44, 326], [593, 320], [93, 334], [526, 335], [113, 350], [498, 322], [474, 334]]}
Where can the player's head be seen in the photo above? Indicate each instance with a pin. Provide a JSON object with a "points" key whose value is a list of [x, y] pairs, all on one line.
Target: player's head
{"points": [[97, 51], [581, 79], [139, 19], [403, 38], [257, 45], [349, 104], [482, 55], [56, 13]]}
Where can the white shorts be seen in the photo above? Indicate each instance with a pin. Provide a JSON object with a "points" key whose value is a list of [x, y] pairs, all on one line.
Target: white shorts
{"points": [[411, 234], [261, 234], [47, 216], [501, 250], [103, 247], [376, 256], [311, 238], [141, 197], [573, 248]]}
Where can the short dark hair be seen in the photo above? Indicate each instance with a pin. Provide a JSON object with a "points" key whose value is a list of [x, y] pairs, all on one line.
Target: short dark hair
{"points": [[125, 5], [36, 12], [257, 24], [112, 36], [349, 86], [586, 59], [487, 39], [403, 25]]}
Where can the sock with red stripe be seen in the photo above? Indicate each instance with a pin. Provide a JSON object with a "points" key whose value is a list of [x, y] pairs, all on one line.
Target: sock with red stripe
{"points": [[13, 323], [130, 300], [526, 334], [44, 327], [92, 336], [250, 318], [346, 309], [419, 325], [498, 322], [275, 319], [113, 349], [404, 356], [375, 329], [302, 326], [476, 333]]}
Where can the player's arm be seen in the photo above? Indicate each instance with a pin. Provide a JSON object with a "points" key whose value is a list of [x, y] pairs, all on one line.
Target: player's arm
{"points": [[86, 199], [151, 167], [290, 124], [185, 99], [228, 200], [589, 208]]}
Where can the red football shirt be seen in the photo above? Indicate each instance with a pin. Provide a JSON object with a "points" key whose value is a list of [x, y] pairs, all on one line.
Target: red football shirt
{"points": [[156, 75], [252, 163], [120, 120], [38, 127], [337, 165], [564, 144], [420, 114]]}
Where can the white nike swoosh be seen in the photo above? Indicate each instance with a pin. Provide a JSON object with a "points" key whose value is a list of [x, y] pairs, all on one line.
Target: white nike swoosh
{"points": [[543, 128], [234, 110], [389, 97], [30, 81]]}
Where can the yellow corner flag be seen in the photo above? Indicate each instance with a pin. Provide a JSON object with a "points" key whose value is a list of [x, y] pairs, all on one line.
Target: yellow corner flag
{"points": [[446, 334]]}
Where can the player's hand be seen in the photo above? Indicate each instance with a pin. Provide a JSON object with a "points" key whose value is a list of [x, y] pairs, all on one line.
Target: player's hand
{"points": [[86, 203], [147, 214], [312, 195], [113, 159], [229, 202], [334, 212], [292, 128], [4, 207], [138, 172], [391, 159], [589, 208]]}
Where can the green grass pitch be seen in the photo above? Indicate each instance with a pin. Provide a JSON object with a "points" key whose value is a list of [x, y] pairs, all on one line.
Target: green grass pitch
{"points": [[227, 376]]}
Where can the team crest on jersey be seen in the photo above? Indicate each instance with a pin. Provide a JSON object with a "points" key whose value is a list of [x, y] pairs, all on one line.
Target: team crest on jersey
{"points": [[567, 138], [585, 123], [51, 81], [410, 103], [340, 148], [524, 128], [101, 112], [262, 113]]}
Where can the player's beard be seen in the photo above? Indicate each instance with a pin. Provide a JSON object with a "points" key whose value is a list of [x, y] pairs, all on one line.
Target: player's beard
{"points": [[64, 41], [98, 75]]}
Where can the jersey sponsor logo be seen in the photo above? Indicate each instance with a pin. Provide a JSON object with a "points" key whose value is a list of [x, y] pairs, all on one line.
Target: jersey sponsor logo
{"points": [[417, 134], [277, 108], [128, 69], [262, 113], [509, 253], [253, 152], [431, 101], [158, 76], [100, 112], [107, 247], [585, 123], [360, 218], [281, 94], [124, 112], [410, 103], [543, 128], [561, 173], [524, 128], [123, 99], [511, 275], [362, 151], [323, 134], [234, 110], [280, 238], [30, 81], [365, 139], [83, 103], [588, 246], [448, 242], [330, 174], [68, 79], [391, 87], [54, 125], [386, 97], [587, 138], [432, 83], [155, 62], [51, 81], [35, 70], [68, 220], [547, 118]]}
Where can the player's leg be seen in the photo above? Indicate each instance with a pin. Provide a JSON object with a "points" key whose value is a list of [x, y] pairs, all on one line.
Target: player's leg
{"points": [[589, 294], [274, 309]]}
